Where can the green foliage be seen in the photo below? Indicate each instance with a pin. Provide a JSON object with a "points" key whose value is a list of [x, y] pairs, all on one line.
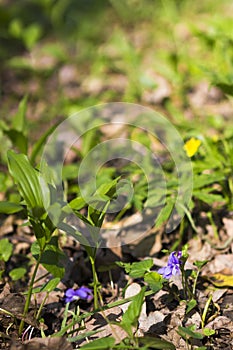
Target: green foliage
{"points": [[52, 257], [155, 343], [17, 273], [129, 42], [10, 208], [104, 343], [131, 315], [6, 249], [50, 285], [137, 269], [188, 332], [29, 185], [154, 280], [17, 132], [191, 305]]}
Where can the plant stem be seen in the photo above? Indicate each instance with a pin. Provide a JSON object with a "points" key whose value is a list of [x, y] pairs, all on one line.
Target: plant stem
{"points": [[204, 314], [95, 282], [28, 299], [42, 305], [195, 282]]}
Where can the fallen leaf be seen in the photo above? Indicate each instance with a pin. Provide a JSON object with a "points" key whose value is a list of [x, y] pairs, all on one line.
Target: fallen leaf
{"points": [[55, 343], [220, 280]]}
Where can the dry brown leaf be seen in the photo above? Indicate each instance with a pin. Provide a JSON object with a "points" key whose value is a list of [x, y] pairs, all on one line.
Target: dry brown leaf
{"points": [[102, 322], [221, 322], [228, 224], [220, 263], [56, 343], [199, 251]]}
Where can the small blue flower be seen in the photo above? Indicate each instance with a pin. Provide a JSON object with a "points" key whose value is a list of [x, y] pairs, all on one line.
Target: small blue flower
{"points": [[81, 293], [173, 266]]}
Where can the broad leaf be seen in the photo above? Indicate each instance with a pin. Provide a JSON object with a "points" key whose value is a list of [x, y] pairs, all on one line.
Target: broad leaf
{"points": [[17, 273], [131, 315], [137, 269], [6, 249], [155, 281], [165, 213], [187, 332], [50, 285], [10, 208], [191, 305], [18, 139], [156, 343], [37, 147], [52, 258], [105, 343], [19, 120], [27, 179]]}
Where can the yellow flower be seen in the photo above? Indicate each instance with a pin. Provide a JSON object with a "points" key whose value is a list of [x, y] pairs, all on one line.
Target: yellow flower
{"points": [[191, 146], [215, 138]]}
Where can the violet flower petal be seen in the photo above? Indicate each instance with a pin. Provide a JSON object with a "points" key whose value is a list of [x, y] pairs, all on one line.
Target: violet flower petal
{"points": [[173, 265], [80, 293]]}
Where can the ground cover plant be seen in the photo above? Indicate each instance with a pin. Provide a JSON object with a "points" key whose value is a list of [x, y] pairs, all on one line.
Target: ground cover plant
{"points": [[116, 182]]}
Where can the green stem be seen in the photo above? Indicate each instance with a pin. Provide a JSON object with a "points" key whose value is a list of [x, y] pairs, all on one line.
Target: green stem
{"points": [[181, 235], [41, 306], [215, 230], [187, 291], [230, 184], [204, 314], [195, 283], [28, 299], [95, 282]]}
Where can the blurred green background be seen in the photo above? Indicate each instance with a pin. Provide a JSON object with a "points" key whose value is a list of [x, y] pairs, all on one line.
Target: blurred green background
{"points": [[173, 55]]}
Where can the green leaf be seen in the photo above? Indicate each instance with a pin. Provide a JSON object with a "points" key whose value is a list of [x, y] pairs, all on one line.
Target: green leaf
{"points": [[27, 179], [165, 213], [156, 343], [17, 273], [191, 305], [186, 333], [52, 258], [18, 139], [82, 336], [31, 35], [131, 315], [105, 343], [6, 249], [207, 197], [10, 208], [78, 203], [226, 88], [19, 122], [108, 189], [15, 28], [50, 285], [200, 263], [137, 269], [204, 180], [155, 281], [37, 147], [208, 332], [70, 171]]}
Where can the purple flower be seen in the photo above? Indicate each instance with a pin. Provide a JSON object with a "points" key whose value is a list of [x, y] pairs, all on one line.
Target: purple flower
{"points": [[173, 265], [81, 293]]}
